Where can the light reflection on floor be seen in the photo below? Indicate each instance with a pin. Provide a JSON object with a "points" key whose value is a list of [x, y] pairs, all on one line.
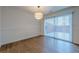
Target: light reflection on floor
{"points": [[59, 46], [60, 35]]}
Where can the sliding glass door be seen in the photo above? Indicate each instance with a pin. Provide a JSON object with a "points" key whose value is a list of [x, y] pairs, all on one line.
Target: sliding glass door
{"points": [[59, 27], [49, 27]]}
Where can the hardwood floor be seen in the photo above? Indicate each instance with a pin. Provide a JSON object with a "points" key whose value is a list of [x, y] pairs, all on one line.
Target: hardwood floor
{"points": [[40, 45]]}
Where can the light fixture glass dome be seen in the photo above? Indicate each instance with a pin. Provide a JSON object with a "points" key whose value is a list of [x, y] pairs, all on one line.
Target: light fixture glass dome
{"points": [[38, 15]]}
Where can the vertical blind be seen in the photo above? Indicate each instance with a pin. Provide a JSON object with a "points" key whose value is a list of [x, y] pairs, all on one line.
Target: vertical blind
{"points": [[59, 26]]}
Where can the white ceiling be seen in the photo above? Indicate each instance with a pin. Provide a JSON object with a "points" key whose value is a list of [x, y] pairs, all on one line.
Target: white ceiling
{"points": [[44, 9]]}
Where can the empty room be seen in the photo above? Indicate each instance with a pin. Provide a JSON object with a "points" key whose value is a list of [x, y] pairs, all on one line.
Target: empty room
{"points": [[39, 29]]}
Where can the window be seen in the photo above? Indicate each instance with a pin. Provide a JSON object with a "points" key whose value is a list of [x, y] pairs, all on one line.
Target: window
{"points": [[59, 27]]}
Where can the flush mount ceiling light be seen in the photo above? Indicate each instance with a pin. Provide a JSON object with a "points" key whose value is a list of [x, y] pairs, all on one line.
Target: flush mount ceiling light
{"points": [[38, 14]]}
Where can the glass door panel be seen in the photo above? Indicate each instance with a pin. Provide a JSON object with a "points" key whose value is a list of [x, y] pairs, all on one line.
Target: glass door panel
{"points": [[49, 27], [59, 27]]}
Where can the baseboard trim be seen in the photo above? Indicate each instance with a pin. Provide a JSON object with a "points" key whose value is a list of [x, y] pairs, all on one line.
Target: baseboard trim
{"points": [[10, 44]]}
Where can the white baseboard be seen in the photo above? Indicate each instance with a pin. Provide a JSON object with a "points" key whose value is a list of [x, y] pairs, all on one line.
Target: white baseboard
{"points": [[8, 42]]}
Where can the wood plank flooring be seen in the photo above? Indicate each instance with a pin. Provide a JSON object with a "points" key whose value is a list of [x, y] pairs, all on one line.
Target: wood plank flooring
{"points": [[40, 45]]}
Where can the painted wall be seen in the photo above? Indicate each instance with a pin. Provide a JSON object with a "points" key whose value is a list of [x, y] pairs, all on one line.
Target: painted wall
{"points": [[75, 21], [18, 24], [76, 25], [0, 25], [42, 27]]}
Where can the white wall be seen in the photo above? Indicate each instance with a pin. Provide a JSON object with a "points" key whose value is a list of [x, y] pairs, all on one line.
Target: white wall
{"points": [[0, 25], [18, 24], [76, 25], [75, 21], [42, 27]]}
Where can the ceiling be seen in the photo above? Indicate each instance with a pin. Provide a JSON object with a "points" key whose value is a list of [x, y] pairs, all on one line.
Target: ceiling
{"points": [[43, 9]]}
